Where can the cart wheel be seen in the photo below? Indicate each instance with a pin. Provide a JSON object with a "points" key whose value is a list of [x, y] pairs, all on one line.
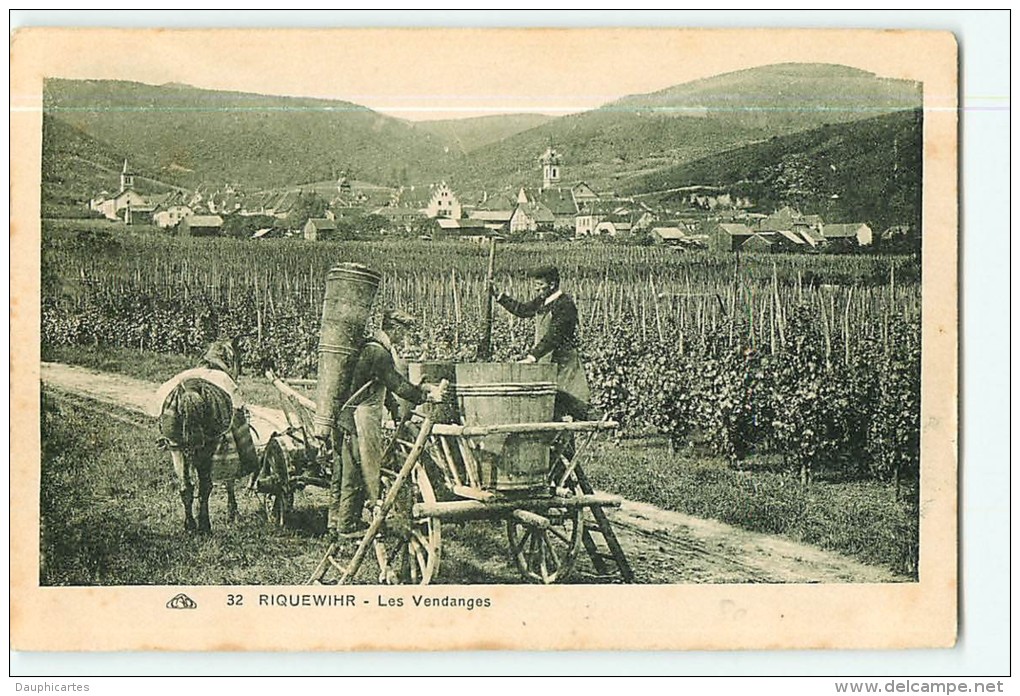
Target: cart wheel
{"points": [[279, 500], [545, 553], [408, 549], [545, 549]]}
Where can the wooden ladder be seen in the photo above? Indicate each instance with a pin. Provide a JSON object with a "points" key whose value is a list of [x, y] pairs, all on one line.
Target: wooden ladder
{"points": [[614, 552]]}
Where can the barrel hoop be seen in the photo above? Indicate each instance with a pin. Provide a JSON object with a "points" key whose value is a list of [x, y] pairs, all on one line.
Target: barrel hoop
{"points": [[332, 348], [508, 385], [353, 268], [320, 420], [353, 277], [526, 389], [362, 281]]}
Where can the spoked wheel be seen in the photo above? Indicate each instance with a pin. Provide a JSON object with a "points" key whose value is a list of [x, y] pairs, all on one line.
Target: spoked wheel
{"points": [[407, 549], [274, 484], [544, 547]]}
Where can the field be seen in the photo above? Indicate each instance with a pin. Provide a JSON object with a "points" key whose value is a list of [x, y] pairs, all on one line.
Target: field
{"points": [[795, 369]]}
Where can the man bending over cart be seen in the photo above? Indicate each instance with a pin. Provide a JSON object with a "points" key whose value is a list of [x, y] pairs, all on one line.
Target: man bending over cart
{"points": [[556, 339]]}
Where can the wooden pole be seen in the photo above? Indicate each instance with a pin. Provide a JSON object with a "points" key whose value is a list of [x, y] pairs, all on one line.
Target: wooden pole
{"points": [[485, 345], [846, 327], [456, 309], [391, 498]]}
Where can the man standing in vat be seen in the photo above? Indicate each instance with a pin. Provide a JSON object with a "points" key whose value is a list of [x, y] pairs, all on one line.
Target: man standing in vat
{"points": [[556, 339]]}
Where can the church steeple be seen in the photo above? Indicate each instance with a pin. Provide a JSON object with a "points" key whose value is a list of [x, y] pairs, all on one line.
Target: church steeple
{"points": [[550, 161], [127, 180]]}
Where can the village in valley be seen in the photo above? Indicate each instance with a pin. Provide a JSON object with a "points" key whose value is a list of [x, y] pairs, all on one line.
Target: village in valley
{"points": [[551, 206]]}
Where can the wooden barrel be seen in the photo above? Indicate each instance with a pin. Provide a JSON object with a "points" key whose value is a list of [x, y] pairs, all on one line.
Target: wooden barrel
{"points": [[350, 291], [501, 393], [433, 373]]}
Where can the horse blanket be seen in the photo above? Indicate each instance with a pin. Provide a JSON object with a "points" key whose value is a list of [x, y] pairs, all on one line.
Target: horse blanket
{"points": [[198, 417]]}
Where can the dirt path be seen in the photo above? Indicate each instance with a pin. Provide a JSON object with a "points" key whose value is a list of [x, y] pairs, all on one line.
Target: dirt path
{"points": [[663, 547]]}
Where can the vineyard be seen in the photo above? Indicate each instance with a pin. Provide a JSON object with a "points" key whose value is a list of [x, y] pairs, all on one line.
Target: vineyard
{"points": [[809, 362]]}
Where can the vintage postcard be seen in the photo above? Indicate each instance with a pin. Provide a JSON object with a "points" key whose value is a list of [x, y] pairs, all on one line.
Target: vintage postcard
{"points": [[467, 339]]}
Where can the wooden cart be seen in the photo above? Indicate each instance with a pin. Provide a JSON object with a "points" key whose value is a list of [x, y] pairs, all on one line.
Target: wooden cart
{"points": [[439, 472]]}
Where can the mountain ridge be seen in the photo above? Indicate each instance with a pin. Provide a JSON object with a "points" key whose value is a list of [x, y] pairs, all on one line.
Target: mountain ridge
{"points": [[190, 135]]}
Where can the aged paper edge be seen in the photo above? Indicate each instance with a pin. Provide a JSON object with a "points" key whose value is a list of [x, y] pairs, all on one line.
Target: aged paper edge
{"points": [[922, 614]]}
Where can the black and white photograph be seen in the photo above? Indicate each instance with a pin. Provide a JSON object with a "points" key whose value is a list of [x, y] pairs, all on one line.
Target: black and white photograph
{"points": [[589, 316]]}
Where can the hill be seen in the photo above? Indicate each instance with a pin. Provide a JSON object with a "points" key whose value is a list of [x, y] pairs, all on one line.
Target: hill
{"points": [[186, 136], [598, 147], [468, 134], [639, 134], [192, 135], [867, 170], [781, 98]]}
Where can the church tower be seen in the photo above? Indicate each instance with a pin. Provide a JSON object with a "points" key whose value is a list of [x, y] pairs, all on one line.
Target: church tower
{"points": [[127, 180], [550, 161]]}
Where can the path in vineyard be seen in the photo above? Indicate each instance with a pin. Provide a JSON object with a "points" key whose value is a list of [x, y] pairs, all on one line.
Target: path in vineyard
{"points": [[664, 547]]}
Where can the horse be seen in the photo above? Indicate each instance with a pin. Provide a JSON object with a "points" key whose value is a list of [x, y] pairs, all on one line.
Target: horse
{"points": [[204, 427]]}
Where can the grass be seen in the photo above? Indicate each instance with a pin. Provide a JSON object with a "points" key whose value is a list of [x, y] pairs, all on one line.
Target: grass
{"points": [[860, 519], [111, 515]]}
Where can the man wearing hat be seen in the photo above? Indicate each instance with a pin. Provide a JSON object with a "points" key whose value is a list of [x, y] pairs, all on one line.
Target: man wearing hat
{"points": [[556, 338], [376, 379]]}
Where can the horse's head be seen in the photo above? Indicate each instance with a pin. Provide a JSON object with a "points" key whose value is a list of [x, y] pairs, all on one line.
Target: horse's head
{"points": [[224, 355]]}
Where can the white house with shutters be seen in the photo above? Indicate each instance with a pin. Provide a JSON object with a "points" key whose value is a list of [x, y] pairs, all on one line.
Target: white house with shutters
{"points": [[443, 203]]}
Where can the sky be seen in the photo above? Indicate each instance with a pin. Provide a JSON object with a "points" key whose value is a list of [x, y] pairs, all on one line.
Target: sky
{"points": [[421, 74]]}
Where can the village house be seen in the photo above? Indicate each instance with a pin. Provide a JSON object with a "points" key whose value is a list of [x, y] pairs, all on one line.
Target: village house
{"points": [[560, 202], [531, 217], [589, 216], [793, 240], [673, 235], [400, 217], [224, 202], [200, 226], [283, 204], [167, 216], [854, 231], [494, 220], [464, 228], [443, 203], [343, 186], [614, 226], [583, 194], [712, 197], [612, 217], [319, 227], [895, 232], [142, 214], [809, 228], [759, 243], [494, 210], [795, 230], [117, 207], [731, 236]]}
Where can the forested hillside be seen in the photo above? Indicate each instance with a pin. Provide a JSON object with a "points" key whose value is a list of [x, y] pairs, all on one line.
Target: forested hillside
{"points": [[866, 171], [193, 135]]}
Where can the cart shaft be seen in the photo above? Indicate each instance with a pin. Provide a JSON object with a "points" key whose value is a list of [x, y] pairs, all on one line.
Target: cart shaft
{"points": [[474, 509], [478, 430]]}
